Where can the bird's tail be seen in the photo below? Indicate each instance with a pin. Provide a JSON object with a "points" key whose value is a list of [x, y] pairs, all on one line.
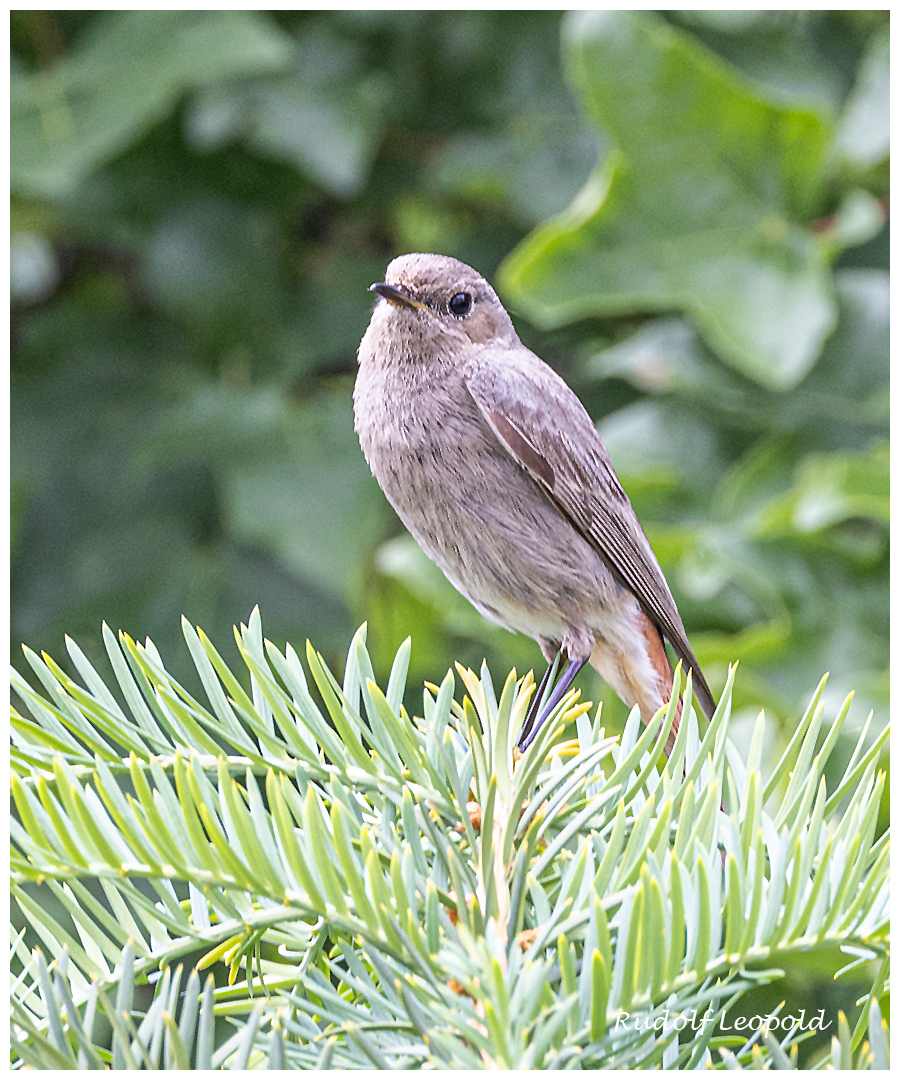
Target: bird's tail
{"points": [[641, 676]]}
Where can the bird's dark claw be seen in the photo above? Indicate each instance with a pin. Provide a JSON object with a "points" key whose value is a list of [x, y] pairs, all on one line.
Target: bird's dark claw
{"points": [[540, 708]]}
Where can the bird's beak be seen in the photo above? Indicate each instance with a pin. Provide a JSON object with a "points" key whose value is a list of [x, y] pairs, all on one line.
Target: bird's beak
{"points": [[396, 294]]}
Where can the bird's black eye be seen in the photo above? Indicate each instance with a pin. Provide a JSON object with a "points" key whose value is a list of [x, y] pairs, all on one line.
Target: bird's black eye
{"points": [[461, 303]]}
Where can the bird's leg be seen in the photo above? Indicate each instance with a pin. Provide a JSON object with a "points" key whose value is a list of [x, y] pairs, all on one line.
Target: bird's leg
{"points": [[534, 709], [565, 681]]}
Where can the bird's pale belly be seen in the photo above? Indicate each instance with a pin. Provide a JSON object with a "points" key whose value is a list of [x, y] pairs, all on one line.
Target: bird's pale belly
{"points": [[494, 542]]}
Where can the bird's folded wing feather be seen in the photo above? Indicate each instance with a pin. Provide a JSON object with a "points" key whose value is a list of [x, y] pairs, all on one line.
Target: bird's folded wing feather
{"points": [[543, 425]]}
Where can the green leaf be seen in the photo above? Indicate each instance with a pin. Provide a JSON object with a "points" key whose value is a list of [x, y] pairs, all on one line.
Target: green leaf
{"points": [[700, 208], [834, 488], [313, 452], [863, 134], [89, 107]]}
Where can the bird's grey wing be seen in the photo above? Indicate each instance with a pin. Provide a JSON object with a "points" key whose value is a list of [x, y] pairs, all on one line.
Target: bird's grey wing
{"points": [[544, 426]]}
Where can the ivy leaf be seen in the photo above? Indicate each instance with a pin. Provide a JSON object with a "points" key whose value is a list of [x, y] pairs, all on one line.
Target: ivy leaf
{"points": [[833, 488], [318, 461], [842, 402], [324, 115], [699, 208], [69, 120], [863, 137]]}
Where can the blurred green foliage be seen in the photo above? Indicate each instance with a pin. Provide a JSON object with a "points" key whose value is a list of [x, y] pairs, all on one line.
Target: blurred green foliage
{"points": [[689, 212]]}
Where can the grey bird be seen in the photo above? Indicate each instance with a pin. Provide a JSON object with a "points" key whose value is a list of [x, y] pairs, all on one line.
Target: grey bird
{"points": [[494, 465]]}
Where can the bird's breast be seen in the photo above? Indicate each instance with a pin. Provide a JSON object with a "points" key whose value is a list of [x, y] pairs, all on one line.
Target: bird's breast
{"points": [[471, 506]]}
